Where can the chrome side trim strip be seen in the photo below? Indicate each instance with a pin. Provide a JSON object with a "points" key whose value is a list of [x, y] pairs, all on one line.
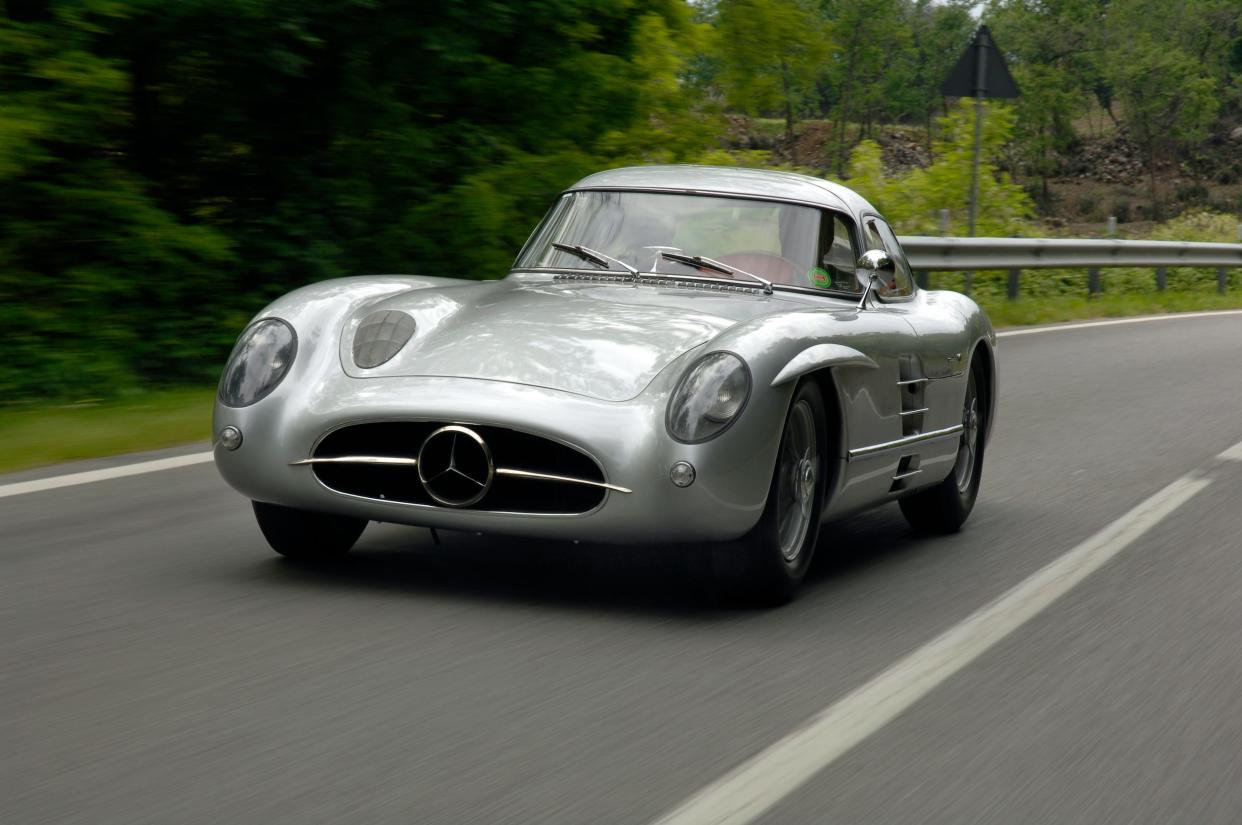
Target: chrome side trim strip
{"points": [[906, 474], [910, 381], [919, 411], [504, 471], [919, 438], [360, 459]]}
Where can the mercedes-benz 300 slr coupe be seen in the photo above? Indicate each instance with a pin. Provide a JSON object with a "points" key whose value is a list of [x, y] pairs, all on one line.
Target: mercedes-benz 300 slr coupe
{"points": [[682, 355]]}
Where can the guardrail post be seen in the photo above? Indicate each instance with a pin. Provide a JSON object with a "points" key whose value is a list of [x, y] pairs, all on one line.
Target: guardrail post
{"points": [[1093, 282], [1222, 279], [1011, 290], [1162, 278], [920, 278]]}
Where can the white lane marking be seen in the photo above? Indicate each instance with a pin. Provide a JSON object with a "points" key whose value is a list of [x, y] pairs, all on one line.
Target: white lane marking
{"points": [[1172, 316], [746, 792], [54, 482], [1234, 453]]}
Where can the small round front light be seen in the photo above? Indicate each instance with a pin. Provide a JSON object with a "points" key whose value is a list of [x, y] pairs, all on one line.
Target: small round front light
{"points": [[230, 438], [682, 474], [260, 361]]}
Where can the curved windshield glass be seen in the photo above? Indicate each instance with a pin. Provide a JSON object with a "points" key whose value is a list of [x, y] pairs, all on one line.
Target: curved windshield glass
{"points": [[784, 243]]}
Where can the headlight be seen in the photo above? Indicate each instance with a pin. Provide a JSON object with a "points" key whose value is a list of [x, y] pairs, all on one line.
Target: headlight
{"points": [[260, 360], [709, 397], [380, 336]]}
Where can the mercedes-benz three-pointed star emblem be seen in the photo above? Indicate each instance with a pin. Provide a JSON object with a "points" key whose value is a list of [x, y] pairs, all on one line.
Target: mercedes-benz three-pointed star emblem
{"points": [[455, 466]]}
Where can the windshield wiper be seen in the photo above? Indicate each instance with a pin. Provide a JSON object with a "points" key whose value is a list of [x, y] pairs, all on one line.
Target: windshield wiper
{"points": [[700, 262], [597, 258]]}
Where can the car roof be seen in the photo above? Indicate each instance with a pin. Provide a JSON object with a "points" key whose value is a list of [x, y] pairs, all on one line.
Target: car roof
{"points": [[730, 180]]}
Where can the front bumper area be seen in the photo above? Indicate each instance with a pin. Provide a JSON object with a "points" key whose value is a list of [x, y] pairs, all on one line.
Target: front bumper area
{"points": [[626, 439]]}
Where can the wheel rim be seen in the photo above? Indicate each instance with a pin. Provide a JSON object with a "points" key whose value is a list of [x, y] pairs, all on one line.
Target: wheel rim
{"points": [[968, 449], [798, 475]]}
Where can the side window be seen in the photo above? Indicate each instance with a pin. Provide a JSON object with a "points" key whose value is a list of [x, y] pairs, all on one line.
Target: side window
{"points": [[837, 256], [880, 236]]}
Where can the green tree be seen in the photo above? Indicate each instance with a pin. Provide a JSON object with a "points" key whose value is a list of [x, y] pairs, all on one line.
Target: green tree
{"points": [[912, 201], [1168, 100], [98, 283], [170, 165], [771, 52], [1054, 50], [872, 37]]}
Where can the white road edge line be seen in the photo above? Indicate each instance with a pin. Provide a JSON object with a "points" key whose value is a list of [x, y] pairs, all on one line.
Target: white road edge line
{"points": [[753, 787], [71, 479], [1234, 453], [1172, 316]]}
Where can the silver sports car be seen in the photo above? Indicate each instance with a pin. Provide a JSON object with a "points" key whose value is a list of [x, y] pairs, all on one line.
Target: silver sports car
{"points": [[681, 354]]}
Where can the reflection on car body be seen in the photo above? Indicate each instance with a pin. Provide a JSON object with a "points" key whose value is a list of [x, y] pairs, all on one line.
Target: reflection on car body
{"points": [[680, 354]]}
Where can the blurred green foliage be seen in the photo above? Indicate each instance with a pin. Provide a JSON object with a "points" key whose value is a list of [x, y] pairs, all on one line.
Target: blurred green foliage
{"points": [[913, 200], [169, 166]]}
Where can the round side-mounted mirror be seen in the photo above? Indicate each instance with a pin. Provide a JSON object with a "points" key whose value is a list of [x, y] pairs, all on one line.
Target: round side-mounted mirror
{"points": [[874, 262], [873, 266]]}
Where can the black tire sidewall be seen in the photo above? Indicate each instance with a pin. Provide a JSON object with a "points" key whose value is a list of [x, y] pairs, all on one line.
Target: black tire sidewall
{"points": [[304, 535], [768, 577]]}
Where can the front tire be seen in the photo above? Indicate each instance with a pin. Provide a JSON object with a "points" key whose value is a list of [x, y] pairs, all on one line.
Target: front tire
{"points": [[944, 508], [304, 535], [769, 563]]}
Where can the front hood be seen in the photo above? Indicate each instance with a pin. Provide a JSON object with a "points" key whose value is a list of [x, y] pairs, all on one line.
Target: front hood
{"points": [[605, 341]]}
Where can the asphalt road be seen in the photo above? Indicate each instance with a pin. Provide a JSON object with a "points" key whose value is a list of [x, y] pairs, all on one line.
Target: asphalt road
{"points": [[158, 664]]}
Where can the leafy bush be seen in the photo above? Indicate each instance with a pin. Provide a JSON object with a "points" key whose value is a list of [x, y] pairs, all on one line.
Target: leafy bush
{"points": [[912, 201]]}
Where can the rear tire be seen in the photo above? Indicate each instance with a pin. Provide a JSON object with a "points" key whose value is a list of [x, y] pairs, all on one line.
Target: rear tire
{"points": [[304, 535], [944, 508], [768, 564]]}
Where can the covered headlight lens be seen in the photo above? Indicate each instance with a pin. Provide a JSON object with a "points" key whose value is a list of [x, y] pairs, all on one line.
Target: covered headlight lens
{"points": [[380, 336], [260, 360], [709, 397]]}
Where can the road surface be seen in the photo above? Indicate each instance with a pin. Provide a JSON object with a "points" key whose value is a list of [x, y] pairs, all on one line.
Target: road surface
{"points": [[158, 664]]}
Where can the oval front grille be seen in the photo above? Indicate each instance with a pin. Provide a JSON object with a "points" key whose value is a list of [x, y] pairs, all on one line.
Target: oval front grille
{"points": [[379, 461]]}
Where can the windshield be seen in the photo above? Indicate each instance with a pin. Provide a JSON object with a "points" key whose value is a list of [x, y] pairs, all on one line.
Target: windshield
{"points": [[785, 243]]}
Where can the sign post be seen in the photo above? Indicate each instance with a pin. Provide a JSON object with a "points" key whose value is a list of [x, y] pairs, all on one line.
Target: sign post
{"points": [[980, 73]]}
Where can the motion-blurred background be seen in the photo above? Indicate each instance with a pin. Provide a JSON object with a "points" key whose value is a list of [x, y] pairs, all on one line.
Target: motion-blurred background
{"points": [[168, 166]]}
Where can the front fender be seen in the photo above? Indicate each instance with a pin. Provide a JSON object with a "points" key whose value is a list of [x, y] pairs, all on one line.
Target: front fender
{"points": [[818, 357]]}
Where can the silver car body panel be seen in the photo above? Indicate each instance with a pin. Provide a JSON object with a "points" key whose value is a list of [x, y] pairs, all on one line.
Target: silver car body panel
{"points": [[592, 364]]}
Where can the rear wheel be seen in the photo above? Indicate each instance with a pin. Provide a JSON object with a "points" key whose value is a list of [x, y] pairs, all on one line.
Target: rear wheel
{"points": [[945, 507], [769, 563], [304, 535]]}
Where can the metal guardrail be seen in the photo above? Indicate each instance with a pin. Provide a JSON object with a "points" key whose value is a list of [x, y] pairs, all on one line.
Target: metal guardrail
{"points": [[933, 254]]}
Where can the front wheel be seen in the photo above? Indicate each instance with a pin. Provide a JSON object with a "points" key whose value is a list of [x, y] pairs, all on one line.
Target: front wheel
{"points": [[304, 535], [945, 507], [769, 562]]}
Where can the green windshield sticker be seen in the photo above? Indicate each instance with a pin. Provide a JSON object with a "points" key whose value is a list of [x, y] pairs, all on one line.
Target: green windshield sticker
{"points": [[820, 277]]}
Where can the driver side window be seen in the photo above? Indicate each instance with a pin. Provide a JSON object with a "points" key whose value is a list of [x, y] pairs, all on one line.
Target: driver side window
{"points": [[880, 236]]}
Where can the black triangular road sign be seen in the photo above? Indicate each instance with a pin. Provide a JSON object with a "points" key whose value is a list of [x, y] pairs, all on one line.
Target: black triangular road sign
{"points": [[963, 80]]}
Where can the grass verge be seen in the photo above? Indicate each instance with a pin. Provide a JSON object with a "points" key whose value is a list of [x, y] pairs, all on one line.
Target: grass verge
{"points": [[34, 436], [1051, 310]]}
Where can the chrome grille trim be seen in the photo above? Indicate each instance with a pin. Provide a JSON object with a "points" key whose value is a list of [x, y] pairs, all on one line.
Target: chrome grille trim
{"points": [[360, 459], [500, 471], [535, 474], [507, 471]]}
